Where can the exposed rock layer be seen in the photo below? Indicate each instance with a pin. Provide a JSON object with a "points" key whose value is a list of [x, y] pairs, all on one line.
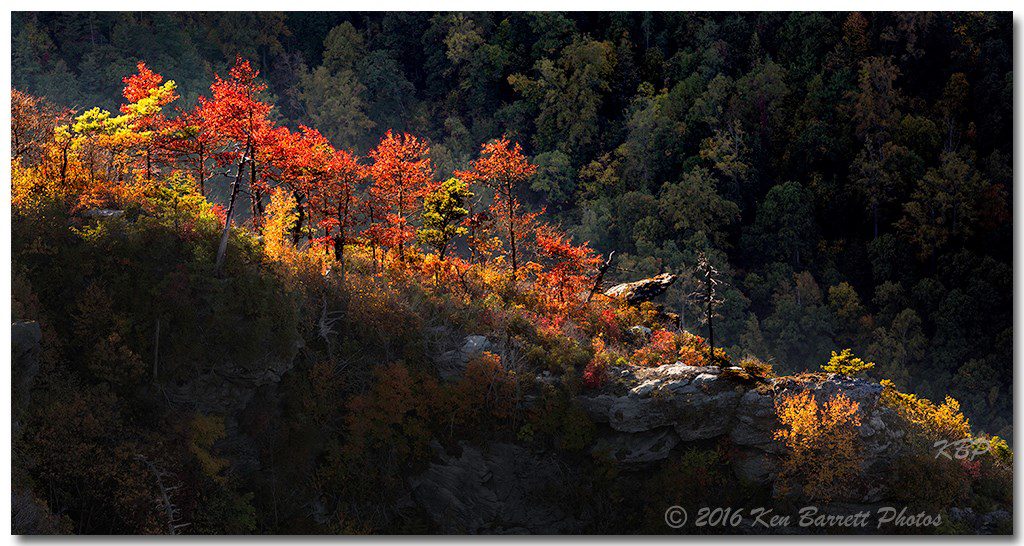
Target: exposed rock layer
{"points": [[643, 290], [643, 417]]}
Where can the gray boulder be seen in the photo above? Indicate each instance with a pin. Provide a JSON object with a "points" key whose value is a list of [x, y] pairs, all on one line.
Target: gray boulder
{"points": [[640, 333], [102, 213], [452, 364]]}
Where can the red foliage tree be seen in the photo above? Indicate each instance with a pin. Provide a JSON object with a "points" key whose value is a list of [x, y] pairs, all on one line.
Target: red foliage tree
{"points": [[147, 94], [332, 196], [138, 86], [241, 124], [294, 161], [503, 167], [568, 269], [402, 175]]}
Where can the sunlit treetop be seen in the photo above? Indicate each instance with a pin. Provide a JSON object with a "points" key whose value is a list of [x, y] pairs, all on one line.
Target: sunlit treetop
{"points": [[235, 109], [147, 85], [501, 163], [402, 159]]}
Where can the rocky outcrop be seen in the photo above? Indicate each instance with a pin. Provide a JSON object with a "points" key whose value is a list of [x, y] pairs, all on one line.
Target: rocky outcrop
{"points": [[102, 213], [699, 403], [30, 515], [25, 348], [982, 524], [643, 290], [643, 416], [685, 398], [636, 448]]}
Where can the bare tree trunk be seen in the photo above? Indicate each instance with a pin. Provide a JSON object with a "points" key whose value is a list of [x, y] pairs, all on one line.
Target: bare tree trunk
{"points": [[401, 218], [874, 214], [512, 235], [297, 230], [339, 243], [600, 276], [711, 326], [202, 170], [222, 249], [255, 195], [64, 166]]}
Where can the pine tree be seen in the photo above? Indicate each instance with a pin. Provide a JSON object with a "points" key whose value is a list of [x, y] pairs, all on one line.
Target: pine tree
{"points": [[707, 295]]}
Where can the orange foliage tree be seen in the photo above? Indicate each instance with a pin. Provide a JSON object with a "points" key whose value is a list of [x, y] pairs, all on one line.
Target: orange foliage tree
{"points": [[236, 115], [32, 123], [503, 167], [568, 269], [401, 173], [823, 443]]}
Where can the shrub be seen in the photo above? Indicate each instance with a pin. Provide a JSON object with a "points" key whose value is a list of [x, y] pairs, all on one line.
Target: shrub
{"points": [[113, 361], [693, 350], [822, 441], [78, 442], [205, 431], [387, 433], [756, 367], [666, 347], [556, 420], [692, 479], [1000, 450], [559, 354], [936, 482], [323, 388], [484, 397], [845, 363], [660, 350], [177, 204], [929, 483], [595, 375], [942, 422]]}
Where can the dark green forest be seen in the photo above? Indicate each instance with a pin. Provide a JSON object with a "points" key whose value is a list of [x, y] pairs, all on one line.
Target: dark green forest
{"points": [[849, 173]]}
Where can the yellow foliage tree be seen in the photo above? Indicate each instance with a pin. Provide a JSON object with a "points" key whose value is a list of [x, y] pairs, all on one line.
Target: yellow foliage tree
{"points": [[936, 422], [282, 214], [204, 432], [844, 363], [823, 443]]}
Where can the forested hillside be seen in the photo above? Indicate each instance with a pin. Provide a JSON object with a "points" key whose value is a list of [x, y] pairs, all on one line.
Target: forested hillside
{"points": [[850, 172], [279, 262]]}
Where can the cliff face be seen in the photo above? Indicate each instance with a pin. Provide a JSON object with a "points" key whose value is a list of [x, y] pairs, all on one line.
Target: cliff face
{"points": [[644, 417], [681, 404], [643, 420]]}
